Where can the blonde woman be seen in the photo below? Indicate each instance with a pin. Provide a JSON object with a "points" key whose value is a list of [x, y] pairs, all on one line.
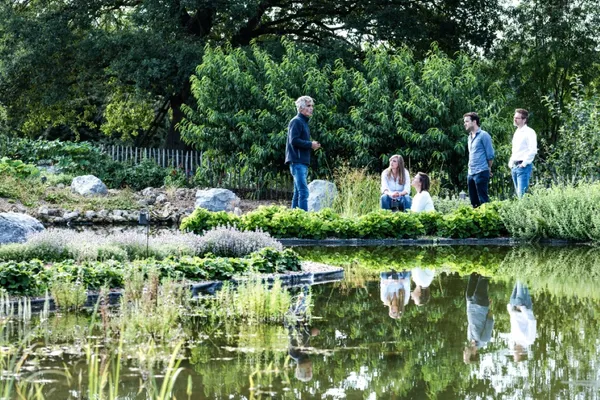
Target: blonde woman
{"points": [[395, 186]]}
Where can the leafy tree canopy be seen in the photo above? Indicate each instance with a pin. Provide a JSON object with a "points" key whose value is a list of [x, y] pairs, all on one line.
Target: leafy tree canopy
{"points": [[393, 104], [120, 65]]}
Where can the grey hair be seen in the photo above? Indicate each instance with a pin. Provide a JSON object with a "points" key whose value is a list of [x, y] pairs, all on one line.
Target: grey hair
{"points": [[301, 102]]}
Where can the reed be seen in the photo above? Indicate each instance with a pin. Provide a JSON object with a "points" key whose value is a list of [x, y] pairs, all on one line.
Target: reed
{"points": [[358, 192]]}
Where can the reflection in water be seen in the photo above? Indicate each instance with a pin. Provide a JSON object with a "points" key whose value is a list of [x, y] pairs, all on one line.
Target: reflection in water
{"points": [[359, 352], [423, 278], [479, 316], [394, 291], [523, 325], [300, 332]]}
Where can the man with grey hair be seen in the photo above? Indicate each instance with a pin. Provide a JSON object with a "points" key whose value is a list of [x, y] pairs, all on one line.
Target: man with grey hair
{"points": [[297, 150]]}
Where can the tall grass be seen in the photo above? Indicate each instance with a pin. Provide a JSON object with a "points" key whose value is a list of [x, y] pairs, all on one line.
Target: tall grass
{"points": [[559, 212], [358, 192], [252, 301]]}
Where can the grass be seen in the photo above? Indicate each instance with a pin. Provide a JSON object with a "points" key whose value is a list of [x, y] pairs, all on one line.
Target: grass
{"points": [[358, 192], [33, 193]]}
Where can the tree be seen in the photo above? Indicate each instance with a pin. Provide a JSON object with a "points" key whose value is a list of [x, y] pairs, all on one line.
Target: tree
{"points": [[545, 44], [81, 64], [393, 104]]}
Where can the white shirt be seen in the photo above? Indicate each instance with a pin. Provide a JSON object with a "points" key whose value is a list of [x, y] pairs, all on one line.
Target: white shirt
{"points": [[524, 146], [393, 186], [422, 202], [422, 277], [523, 326], [389, 287]]}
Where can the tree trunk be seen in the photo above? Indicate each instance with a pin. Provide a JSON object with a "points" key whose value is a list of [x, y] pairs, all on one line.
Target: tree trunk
{"points": [[174, 140]]}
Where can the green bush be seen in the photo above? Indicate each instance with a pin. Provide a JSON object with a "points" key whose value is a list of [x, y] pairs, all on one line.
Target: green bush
{"points": [[467, 222], [283, 222], [17, 168], [559, 212], [34, 278]]}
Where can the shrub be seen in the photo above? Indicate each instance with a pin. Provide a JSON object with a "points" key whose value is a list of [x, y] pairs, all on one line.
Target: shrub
{"points": [[202, 220], [230, 242], [447, 205], [468, 222], [283, 222], [17, 168], [559, 212], [34, 278]]}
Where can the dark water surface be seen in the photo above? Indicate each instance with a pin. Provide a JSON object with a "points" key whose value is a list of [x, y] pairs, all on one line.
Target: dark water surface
{"points": [[357, 347]]}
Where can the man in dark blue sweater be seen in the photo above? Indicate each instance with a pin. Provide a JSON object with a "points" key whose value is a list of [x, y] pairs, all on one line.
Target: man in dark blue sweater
{"points": [[297, 150]]}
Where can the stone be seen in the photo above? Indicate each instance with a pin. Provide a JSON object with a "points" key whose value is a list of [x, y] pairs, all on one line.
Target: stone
{"points": [[90, 214], [117, 213], [16, 227], [43, 210], [217, 200], [321, 195], [71, 215], [88, 185], [60, 186], [54, 212], [103, 213], [161, 198]]}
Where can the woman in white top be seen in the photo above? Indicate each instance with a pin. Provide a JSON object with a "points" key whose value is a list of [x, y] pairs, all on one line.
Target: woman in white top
{"points": [[395, 185], [422, 200]]}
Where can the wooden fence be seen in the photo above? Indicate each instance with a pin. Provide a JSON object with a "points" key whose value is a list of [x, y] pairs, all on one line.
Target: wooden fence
{"points": [[179, 159], [253, 184]]}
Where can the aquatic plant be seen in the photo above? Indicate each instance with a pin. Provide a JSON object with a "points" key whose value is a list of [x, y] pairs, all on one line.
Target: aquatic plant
{"points": [[251, 300], [68, 294]]}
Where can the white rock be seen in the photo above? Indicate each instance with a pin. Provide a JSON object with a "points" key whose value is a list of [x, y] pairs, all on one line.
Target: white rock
{"points": [[88, 185], [321, 195], [217, 200], [15, 228]]}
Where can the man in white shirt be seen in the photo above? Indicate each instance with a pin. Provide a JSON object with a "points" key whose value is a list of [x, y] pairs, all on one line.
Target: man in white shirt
{"points": [[524, 149]]}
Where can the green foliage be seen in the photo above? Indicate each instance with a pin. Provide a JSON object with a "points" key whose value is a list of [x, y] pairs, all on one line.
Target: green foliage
{"points": [[68, 294], [391, 104], [17, 168], [69, 157], [34, 277], [574, 157], [22, 277], [559, 212], [251, 301], [283, 222], [466, 222], [358, 192], [534, 72]]}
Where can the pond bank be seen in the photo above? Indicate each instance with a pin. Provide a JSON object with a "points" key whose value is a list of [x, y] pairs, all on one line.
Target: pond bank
{"points": [[312, 273]]}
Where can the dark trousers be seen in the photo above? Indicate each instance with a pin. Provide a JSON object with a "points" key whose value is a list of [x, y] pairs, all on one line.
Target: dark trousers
{"points": [[478, 188], [477, 290]]}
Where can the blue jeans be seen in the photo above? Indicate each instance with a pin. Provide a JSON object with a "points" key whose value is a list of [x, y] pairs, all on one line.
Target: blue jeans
{"points": [[300, 175], [478, 188], [520, 296], [520, 177], [403, 202]]}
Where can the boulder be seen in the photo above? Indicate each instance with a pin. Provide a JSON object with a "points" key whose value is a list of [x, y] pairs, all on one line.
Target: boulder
{"points": [[321, 195], [217, 200], [88, 185], [15, 228]]}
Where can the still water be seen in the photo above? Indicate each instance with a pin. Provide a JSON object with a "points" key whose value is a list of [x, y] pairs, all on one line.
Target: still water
{"points": [[406, 323]]}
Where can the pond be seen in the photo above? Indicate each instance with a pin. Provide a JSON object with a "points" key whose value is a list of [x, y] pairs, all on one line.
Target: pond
{"points": [[528, 329]]}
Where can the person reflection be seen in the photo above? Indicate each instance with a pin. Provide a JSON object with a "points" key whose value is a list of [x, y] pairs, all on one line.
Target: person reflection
{"points": [[299, 333], [523, 325], [422, 278], [479, 316], [395, 291]]}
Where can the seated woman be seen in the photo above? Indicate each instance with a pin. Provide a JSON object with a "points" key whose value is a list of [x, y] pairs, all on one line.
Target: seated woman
{"points": [[395, 291], [422, 201], [395, 187]]}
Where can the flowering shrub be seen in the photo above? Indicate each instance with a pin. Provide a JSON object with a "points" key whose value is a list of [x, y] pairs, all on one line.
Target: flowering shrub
{"points": [[60, 244], [230, 242]]}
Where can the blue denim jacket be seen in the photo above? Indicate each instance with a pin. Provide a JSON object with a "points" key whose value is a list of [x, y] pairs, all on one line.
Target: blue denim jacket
{"points": [[480, 152]]}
